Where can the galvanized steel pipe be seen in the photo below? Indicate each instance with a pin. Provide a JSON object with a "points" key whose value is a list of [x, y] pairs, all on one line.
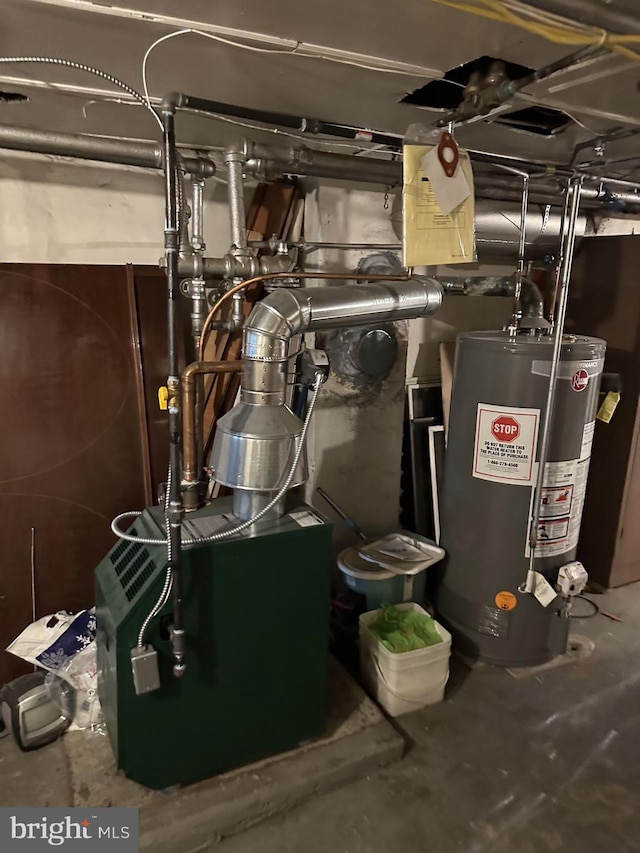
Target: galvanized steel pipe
{"points": [[127, 152], [573, 191]]}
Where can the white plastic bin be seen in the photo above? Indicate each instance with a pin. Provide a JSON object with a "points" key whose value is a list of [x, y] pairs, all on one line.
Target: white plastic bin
{"points": [[404, 681]]}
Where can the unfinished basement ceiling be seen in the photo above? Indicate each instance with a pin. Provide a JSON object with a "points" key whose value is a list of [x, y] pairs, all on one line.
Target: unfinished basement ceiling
{"points": [[600, 95]]}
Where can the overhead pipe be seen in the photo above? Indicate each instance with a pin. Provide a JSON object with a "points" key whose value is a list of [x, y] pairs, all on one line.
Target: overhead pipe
{"points": [[104, 149], [493, 90], [266, 161], [302, 124]]}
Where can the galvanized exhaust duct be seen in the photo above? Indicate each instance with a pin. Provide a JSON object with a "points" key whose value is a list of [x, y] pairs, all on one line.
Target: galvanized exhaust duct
{"points": [[256, 440], [498, 229], [531, 299]]}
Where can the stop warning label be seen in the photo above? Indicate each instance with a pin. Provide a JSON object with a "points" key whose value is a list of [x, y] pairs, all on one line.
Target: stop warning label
{"points": [[505, 444]]}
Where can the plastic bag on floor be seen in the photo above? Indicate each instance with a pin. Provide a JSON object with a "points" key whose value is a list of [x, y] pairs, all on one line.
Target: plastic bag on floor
{"points": [[64, 645], [404, 630], [50, 642], [74, 689]]}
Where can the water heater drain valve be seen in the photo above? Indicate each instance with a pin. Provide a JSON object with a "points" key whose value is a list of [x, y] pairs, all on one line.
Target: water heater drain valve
{"points": [[572, 579]]}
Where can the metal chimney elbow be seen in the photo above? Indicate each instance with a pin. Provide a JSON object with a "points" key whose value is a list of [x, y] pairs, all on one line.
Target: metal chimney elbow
{"points": [[287, 312], [256, 438]]}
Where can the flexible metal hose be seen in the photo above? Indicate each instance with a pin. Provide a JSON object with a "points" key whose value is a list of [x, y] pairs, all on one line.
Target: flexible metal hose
{"points": [[225, 534], [80, 66]]}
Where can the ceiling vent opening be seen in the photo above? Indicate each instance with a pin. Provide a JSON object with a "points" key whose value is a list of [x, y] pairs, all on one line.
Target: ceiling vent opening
{"points": [[12, 98], [540, 120], [446, 94]]}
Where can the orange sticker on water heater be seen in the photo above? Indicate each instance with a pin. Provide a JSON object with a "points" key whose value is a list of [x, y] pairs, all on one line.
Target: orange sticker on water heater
{"points": [[506, 600]]}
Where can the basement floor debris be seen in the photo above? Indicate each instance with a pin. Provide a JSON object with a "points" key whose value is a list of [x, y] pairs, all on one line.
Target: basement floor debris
{"points": [[503, 765]]}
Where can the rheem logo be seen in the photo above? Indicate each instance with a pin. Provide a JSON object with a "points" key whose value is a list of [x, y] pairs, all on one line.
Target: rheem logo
{"points": [[580, 380], [505, 428]]}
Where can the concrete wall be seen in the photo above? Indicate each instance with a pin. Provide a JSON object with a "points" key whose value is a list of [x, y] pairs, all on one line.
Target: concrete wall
{"points": [[357, 437], [63, 212]]}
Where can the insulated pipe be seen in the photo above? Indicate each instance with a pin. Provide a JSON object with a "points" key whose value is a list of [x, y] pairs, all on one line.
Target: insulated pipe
{"points": [[573, 193], [127, 152], [285, 313]]}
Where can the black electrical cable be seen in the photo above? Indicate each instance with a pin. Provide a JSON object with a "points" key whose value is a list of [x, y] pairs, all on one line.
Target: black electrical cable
{"points": [[589, 615]]}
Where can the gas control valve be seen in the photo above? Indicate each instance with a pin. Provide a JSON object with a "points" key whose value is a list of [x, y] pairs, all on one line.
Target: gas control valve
{"points": [[572, 579]]}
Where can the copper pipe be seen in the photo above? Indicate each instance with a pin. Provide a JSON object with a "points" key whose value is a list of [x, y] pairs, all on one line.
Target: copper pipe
{"points": [[190, 473], [336, 276]]}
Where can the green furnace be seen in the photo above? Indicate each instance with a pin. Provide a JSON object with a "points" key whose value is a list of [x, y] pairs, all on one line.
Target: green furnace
{"points": [[256, 616]]}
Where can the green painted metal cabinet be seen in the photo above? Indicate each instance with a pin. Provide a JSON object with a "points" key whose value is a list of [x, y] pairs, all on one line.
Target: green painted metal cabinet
{"points": [[256, 620]]}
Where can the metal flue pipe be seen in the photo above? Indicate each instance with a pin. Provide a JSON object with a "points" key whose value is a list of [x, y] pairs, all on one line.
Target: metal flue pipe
{"points": [[256, 437]]}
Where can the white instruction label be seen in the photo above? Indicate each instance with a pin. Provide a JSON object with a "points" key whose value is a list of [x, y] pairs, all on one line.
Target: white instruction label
{"points": [[565, 484], [305, 518], [572, 370], [543, 590], [556, 501], [587, 440], [505, 444]]}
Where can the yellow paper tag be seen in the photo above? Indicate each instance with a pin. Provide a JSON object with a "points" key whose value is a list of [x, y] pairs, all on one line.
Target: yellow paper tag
{"points": [[431, 236], [608, 407]]}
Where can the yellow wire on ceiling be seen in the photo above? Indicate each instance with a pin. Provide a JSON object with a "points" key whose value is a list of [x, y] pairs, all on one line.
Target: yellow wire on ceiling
{"points": [[546, 25]]}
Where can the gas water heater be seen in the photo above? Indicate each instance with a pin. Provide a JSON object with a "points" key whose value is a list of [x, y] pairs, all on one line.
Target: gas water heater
{"points": [[499, 399]]}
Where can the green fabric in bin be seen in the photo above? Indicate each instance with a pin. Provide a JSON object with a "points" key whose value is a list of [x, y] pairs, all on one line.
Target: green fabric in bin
{"points": [[404, 630]]}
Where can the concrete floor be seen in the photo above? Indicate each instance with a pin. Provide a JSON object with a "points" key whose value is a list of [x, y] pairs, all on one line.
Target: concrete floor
{"points": [[79, 770], [545, 762], [549, 762]]}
